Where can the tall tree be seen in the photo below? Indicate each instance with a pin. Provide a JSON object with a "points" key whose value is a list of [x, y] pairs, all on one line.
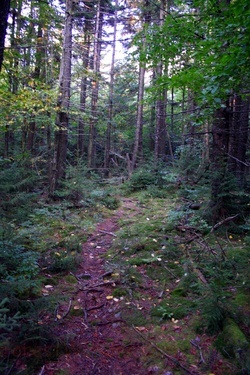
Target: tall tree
{"points": [[87, 30], [160, 127], [95, 84], [63, 101], [4, 13], [111, 93], [138, 146]]}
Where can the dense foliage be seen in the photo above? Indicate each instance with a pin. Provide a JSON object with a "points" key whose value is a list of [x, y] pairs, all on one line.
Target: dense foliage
{"points": [[168, 115]]}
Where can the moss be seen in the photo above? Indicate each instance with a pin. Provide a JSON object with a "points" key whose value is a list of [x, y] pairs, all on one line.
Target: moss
{"points": [[175, 307], [231, 341], [242, 299], [180, 292], [119, 292], [71, 279]]}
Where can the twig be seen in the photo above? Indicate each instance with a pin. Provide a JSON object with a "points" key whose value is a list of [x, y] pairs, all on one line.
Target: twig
{"points": [[68, 310], [41, 371], [96, 307], [202, 360], [110, 322], [65, 314], [216, 226], [56, 312], [13, 364], [172, 359], [171, 273], [109, 273], [110, 233], [100, 284]]}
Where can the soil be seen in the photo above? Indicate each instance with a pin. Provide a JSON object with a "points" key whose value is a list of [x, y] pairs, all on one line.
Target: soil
{"points": [[97, 326]]}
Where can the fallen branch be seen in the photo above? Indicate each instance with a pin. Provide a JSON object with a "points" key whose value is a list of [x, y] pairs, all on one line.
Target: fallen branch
{"points": [[216, 226], [172, 359], [96, 307], [202, 360], [110, 322], [110, 233], [171, 273], [100, 284], [68, 310], [109, 273], [41, 372]]}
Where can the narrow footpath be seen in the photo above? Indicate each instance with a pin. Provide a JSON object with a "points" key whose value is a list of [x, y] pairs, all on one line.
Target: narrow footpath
{"points": [[99, 341]]}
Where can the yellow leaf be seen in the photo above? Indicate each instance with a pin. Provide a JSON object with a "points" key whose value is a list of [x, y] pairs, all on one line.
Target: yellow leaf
{"points": [[109, 297], [59, 316], [140, 329]]}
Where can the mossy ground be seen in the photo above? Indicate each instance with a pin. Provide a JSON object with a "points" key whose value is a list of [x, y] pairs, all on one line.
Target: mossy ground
{"points": [[171, 279], [186, 270]]}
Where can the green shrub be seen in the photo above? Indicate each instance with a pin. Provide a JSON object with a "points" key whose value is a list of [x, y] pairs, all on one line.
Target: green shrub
{"points": [[17, 188], [7, 322], [142, 179], [19, 268]]}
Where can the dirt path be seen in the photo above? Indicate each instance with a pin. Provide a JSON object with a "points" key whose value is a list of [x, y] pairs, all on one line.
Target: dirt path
{"points": [[99, 340]]}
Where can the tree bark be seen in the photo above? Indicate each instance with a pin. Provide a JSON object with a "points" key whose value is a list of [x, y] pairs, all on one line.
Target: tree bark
{"points": [[95, 87], [83, 92], [111, 95], [137, 153], [4, 12], [160, 128], [62, 118]]}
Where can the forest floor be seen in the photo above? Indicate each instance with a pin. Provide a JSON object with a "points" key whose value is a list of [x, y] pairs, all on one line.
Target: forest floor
{"points": [[104, 330]]}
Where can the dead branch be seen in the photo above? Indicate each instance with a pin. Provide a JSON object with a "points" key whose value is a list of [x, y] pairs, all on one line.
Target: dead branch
{"points": [[110, 233], [216, 226], [68, 310], [110, 322], [171, 273], [56, 312], [41, 371], [202, 360], [95, 286], [108, 273], [96, 307], [172, 359], [198, 273]]}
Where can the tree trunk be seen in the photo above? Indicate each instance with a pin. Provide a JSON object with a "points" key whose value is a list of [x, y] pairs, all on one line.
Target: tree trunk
{"points": [[160, 128], [230, 137], [62, 118], [239, 109], [83, 92], [137, 153], [4, 12], [95, 87], [219, 158], [111, 94]]}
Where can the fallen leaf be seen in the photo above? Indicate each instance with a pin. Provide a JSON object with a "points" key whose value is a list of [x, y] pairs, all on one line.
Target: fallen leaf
{"points": [[48, 286], [109, 297], [174, 321], [59, 316], [141, 329]]}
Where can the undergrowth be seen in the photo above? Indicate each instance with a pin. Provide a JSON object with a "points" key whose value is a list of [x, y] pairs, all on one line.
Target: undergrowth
{"points": [[200, 274]]}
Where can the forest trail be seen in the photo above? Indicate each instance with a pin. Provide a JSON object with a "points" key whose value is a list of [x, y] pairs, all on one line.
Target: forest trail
{"points": [[104, 322], [99, 339]]}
